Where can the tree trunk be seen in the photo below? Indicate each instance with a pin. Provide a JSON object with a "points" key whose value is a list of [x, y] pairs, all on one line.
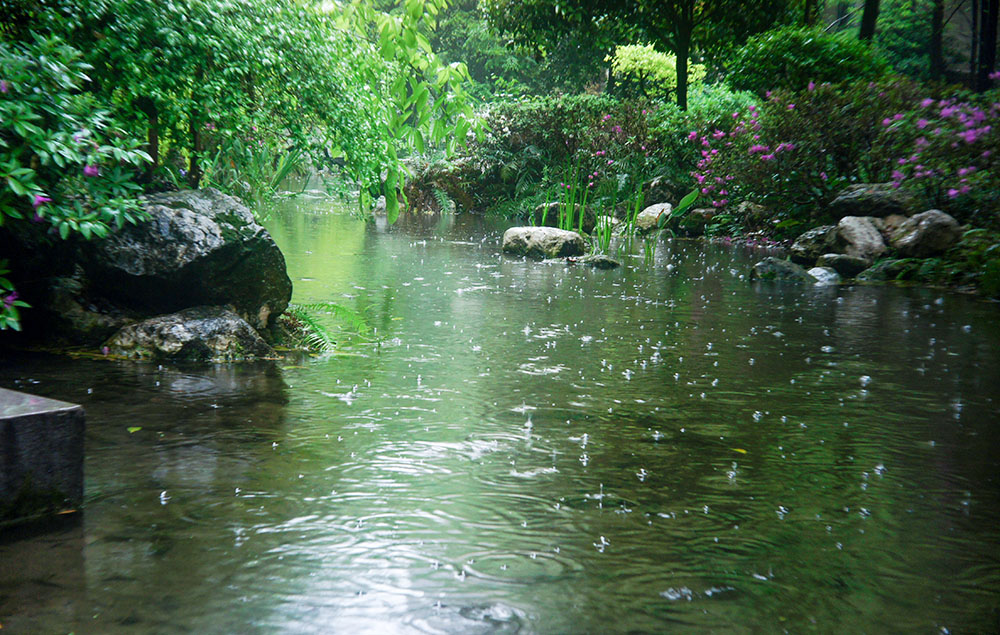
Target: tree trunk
{"points": [[194, 168], [809, 12], [974, 46], [146, 106], [868, 19], [937, 40], [989, 15], [683, 54]]}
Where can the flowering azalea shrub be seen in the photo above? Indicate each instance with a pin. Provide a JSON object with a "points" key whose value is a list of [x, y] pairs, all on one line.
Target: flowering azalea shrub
{"points": [[945, 150], [798, 149]]}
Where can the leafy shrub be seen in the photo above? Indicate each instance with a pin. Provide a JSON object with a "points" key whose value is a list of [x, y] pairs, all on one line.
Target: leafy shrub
{"points": [[642, 70], [63, 160], [791, 57]]}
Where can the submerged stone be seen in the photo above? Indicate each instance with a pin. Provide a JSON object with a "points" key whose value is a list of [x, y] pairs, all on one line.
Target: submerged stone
{"points": [[824, 275], [883, 270], [772, 268], [598, 261], [847, 266], [203, 333], [543, 242]]}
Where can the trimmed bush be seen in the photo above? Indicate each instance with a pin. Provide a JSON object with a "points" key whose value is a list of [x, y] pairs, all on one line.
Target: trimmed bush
{"points": [[792, 57]]}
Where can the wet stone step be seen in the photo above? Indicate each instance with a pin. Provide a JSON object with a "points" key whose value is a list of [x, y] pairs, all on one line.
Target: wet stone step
{"points": [[41, 457]]}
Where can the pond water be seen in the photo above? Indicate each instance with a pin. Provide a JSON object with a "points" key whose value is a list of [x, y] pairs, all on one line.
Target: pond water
{"points": [[542, 448]]}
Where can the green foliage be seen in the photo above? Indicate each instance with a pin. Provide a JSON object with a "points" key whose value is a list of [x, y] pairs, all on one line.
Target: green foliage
{"points": [[10, 317], [63, 160], [903, 32], [463, 35], [220, 82], [792, 57], [642, 70]]}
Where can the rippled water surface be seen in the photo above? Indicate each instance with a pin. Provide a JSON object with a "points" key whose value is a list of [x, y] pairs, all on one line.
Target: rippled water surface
{"points": [[538, 447]]}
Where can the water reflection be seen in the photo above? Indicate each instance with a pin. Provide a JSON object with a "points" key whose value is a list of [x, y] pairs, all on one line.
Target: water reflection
{"points": [[545, 447]]}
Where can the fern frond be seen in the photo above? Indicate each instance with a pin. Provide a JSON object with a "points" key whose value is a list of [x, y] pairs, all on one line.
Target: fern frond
{"points": [[356, 321]]}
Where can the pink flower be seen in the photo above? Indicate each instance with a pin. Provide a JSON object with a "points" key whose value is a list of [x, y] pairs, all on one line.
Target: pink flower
{"points": [[927, 103], [887, 122], [4, 86], [897, 175], [811, 87], [718, 134], [736, 115], [948, 111], [91, 170], [921, 123], [693, 136], [40, 199], [994, 75], [968, 170], [606, 117], [766, 157], [822, 176], [791, 106], [952, 193], [610, 162]]}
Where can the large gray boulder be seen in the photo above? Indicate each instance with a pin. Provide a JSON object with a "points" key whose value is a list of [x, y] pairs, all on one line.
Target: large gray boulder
{"points": [[548, 215], [872, 199], [543, 242], [205, 333], [859, 236], [825, 276], [813, 244], [846, 266], [926, 234], [200, 247], [648, 219], [772, 268]]}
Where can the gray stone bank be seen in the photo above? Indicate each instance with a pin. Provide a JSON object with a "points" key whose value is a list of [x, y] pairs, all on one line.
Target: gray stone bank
{"points": [[41, 456]]}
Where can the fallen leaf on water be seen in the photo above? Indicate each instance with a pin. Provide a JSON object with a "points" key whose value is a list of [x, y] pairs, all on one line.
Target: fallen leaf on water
{"points": [[134, 429], [740, 450]]}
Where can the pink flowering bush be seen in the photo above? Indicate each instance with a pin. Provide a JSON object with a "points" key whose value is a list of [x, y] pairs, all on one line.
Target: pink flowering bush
{"points": [[945, 150], [798, 149]]}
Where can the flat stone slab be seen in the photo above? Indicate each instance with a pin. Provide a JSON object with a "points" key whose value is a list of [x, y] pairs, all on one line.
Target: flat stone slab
{"points": [[41, 456]]}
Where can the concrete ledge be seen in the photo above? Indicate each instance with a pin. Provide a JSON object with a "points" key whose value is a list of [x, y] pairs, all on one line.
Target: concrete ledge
{"points": [[41, 457]]}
